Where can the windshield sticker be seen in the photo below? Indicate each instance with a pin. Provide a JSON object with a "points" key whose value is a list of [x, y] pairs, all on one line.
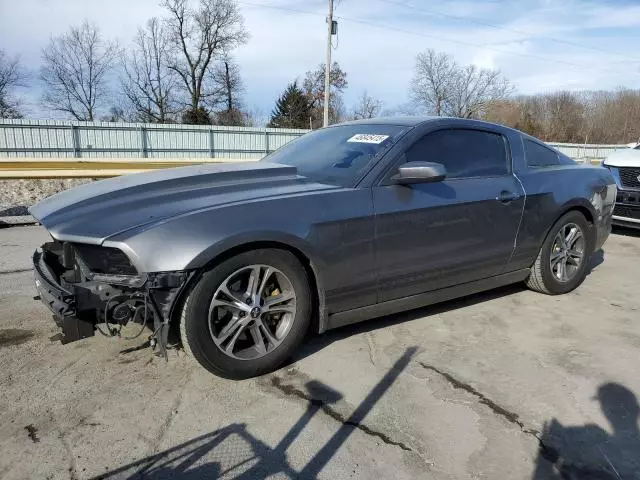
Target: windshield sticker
{"points": [[368, 138]]}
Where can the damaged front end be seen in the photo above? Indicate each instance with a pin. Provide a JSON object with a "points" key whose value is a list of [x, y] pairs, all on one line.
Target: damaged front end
{"points": [[90, 287]]}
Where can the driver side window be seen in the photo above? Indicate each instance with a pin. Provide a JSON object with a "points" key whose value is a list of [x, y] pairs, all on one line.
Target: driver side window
{"points": [[464, 153]]}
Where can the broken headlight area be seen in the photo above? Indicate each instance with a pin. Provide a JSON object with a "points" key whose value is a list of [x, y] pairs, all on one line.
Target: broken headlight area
{"points": [[103, 260], [89, 288]]}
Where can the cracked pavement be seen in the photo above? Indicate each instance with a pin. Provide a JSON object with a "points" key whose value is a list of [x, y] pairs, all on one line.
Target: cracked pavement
{"points": [[505, 384]]}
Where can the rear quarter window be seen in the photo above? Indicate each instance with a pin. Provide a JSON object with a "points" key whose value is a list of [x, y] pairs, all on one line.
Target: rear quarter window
{"points": [[540, 156]]}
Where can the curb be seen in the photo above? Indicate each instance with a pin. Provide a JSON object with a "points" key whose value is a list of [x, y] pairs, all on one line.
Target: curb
{"points": [[17, 221]]}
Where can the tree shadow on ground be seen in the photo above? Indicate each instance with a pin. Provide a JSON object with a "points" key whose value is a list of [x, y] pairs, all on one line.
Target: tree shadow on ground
{"points": [[232, 452], [589, 452]]}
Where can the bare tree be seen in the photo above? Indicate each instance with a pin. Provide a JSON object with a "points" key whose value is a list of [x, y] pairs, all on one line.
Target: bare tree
{"points": [[628, 115], [366, 107], [228, 88], [522, 112], [257, 117], [337, 110], [472, 88], [197, 37], [12, 76], [148, 83], [591, 104], [564, 115], [431, 85], [118, 114], [442, 87], [75, 71], [313, 86], [577, 117]]}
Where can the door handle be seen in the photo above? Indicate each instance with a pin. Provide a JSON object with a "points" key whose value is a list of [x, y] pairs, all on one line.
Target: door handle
{"points": [[506, 196]]}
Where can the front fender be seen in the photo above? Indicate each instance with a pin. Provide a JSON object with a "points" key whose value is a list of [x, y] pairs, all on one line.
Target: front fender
{"points": [[192, 241], [334, 229], [275, 238]]}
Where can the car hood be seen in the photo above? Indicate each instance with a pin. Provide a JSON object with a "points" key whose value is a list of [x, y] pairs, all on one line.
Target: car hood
{"points": [[96, 211], [628, 157]]}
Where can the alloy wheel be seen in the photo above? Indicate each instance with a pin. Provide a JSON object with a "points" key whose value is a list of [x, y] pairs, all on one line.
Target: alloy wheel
{"points": [[252, 312], [567, 252]]}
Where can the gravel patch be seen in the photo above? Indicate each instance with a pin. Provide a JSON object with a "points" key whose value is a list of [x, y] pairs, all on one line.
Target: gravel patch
{"points": [[17, 195]]}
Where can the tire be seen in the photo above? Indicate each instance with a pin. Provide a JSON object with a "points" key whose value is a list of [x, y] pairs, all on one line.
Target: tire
{"points": [[543, 277], [197, 331]]}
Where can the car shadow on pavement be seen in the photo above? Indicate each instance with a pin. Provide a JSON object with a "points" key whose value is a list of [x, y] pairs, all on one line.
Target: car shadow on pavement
{"points": [[596, 260], [316, 343], [232, 452], [627, 232], [589, 452]]}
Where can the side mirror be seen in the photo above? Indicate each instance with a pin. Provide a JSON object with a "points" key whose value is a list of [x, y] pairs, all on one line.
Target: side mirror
{"points": [[419, 172]]}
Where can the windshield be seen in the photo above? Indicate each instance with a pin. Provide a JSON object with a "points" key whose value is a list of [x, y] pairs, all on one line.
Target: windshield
{"points": [[337, 155]]}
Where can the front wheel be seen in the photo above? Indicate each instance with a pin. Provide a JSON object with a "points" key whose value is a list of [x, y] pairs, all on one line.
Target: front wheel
{"points": [[247, 315], [563, 259]]}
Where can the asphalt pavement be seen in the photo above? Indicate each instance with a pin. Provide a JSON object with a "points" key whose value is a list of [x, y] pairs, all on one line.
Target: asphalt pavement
{"points": [[504, 384]]}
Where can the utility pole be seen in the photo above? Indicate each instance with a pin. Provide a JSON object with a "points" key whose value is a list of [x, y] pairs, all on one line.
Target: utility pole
{"points": [[327, 71]]}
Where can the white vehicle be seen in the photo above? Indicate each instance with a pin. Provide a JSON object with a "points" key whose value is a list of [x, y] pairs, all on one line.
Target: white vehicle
{"points": [[625, 167]]}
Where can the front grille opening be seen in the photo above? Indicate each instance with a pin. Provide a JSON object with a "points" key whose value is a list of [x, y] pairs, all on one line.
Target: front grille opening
{"points": [[629, 176], [52, 253]]}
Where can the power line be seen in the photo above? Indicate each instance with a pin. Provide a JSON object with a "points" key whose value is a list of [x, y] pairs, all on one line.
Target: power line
{"points": [[277, 7], [508, 29], [436, 37], [487, 47]]}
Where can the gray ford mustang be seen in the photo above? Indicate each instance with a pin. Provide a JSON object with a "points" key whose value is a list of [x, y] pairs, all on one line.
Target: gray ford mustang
{"points": [[350, 222]]}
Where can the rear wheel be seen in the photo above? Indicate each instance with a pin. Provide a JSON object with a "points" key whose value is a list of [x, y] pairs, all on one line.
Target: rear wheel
{"points": [[563, 259], [247, 315]]}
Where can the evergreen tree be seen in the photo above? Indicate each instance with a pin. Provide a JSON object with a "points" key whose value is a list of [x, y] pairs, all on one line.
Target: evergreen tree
{"points": [[293, 109]]}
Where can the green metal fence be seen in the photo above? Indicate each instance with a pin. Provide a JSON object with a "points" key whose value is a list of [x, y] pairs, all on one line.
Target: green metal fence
{"points": [[60, 139]]}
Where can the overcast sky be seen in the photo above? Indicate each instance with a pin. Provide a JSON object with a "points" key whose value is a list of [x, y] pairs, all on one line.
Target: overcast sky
{"points": [[540, 45]]}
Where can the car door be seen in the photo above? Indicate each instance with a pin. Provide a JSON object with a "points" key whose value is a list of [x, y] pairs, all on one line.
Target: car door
{"points": [[434, 235]]}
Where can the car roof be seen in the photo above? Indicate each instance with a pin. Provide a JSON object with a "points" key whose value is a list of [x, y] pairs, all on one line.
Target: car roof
{"points": [[412, 121], [399, 120]]}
